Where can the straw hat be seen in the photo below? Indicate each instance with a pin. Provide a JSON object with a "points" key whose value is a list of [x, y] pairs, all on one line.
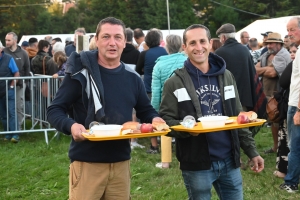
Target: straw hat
{"points": [[274, 37]]}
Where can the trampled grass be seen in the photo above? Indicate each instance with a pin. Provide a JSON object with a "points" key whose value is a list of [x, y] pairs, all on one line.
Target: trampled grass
{"points": [[31, 170]]}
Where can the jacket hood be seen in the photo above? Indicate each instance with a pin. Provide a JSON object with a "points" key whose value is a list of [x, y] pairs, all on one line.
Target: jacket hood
{"points": [[128, 48], [74, 63], [18, 50], [216, 63], [170, 56]]}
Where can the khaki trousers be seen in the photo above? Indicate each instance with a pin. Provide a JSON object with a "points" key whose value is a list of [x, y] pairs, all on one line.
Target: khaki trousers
{"points": [[99, 181], [166, 149]]}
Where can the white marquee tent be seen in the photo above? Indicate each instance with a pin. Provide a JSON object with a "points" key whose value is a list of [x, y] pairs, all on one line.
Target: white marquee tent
{"points": [[261, 26]]}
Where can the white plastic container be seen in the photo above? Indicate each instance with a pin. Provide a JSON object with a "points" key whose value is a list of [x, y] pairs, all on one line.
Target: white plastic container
{"points": [[213, 121], [106, 130]]}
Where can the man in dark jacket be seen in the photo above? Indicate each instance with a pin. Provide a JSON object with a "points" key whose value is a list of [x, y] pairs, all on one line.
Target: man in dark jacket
{"points": [[130, 54], [240, 63], [100, 88], [203, 87]]}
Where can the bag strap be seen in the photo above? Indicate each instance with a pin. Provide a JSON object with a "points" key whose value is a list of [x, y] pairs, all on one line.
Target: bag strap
{"points": [[44, 67]]}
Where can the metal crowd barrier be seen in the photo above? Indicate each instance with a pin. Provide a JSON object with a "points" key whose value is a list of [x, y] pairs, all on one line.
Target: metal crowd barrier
{"points": [[30, 110]]}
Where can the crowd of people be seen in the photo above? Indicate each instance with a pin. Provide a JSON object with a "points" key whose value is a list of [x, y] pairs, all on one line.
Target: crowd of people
{"points": [[129, 76], [43, 57]]}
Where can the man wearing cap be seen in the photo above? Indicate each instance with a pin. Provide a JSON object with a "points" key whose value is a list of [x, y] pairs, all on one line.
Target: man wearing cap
{"points": [[291, 179], [24, 45], [265, 49], [240, 63], [270, 67]]}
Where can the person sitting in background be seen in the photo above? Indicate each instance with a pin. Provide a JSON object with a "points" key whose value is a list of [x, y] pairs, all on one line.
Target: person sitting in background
{"points": [[164, 67], [215, 44], [145, 66], [283, 149], [60, 58]]}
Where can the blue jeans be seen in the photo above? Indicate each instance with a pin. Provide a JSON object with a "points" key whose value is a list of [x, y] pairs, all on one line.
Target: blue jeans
{"points": [[226, 180], [293, 172], [11, 111]]}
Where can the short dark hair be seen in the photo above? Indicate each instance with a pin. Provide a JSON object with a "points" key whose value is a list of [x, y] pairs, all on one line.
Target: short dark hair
{"points": [[57, 39], [152, 38], [32, 40], [110, 20], [194, 26], [42, 44], [294, 45], [138, 33], [129, 34]]}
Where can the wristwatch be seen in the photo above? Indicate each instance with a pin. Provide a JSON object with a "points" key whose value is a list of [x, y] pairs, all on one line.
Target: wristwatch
{"points": [[12, 87], [298, 109]]}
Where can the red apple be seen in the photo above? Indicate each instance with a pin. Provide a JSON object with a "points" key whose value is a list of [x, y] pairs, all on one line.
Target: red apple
{"points": [[146, 128], [242, 119]]}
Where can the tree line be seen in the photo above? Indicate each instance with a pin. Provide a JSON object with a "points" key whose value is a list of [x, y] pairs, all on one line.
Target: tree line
{"points": [[30, 17]]}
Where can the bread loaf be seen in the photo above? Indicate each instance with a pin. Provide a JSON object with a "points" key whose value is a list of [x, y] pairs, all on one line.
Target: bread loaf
{"points": [[160, 126], [252, 116], [130, 125]]}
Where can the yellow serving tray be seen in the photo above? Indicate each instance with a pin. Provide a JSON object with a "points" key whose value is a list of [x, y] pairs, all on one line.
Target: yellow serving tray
{"points": [[127, 136], [234, 125]]}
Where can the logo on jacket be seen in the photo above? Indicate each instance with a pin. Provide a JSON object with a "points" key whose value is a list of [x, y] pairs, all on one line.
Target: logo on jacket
{"points": [[209, 97], [210, 104]]}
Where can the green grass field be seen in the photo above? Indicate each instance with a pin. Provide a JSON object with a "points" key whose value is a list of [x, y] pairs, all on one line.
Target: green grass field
{"points": [[31, 170]]}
